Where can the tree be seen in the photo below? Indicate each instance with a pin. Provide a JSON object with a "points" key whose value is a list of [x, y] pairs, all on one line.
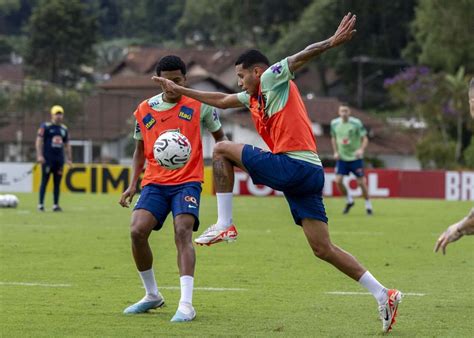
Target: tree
{"points": [[382, 30], [38, 96], [307, 30], [237, 22], [441, 100], [457, 104], [153, 21], [61, 38], [442, 32]]}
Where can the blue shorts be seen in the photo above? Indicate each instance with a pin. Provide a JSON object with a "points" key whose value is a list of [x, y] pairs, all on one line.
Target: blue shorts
{"points": [[301, 182], [179, 199], [346, 167]]}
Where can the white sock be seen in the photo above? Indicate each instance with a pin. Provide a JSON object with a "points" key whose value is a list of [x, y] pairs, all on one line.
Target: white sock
{"points": [[187, 285], [375, 288], [149, 282], [224, 209], [368, 205], [349, 198]]}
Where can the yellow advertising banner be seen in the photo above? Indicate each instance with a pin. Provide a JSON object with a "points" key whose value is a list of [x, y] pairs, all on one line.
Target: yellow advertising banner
{"points": [[102, 179]]}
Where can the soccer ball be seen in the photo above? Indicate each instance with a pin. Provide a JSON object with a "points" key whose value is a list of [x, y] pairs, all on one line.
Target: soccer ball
{"points": [[8, 201], [172, 150]]}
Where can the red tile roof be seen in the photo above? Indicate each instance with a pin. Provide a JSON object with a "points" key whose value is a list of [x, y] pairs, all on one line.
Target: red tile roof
{"points": [[143, 60], [382, 139], [11, 73]]}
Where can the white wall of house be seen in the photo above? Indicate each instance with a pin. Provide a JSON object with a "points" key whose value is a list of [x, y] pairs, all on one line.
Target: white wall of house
{"points": [[240, 134], [401, 162], [207, 145], [13, 153], [114, 149], [237, 134], [204, 86]]}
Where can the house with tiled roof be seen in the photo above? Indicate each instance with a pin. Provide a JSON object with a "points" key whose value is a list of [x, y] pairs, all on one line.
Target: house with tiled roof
{"points": [[396, 149], [103, 130]]}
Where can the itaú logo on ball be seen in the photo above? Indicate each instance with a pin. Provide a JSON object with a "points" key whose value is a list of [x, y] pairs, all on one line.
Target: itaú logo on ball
{"points": [[191, 199]]}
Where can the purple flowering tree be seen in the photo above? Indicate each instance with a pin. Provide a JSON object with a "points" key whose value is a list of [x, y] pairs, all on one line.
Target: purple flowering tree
{"points": [[441, 101]]}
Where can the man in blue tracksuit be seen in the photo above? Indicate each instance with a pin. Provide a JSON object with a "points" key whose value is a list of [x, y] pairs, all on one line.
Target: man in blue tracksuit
{"points": [[52, 142]]}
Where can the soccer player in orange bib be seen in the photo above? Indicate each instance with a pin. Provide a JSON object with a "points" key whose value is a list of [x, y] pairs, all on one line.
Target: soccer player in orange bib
{"points": [[293, 165], [164, 191]]}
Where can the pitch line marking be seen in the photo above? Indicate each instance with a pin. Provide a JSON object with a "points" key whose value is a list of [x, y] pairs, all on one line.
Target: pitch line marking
{"points": [[351, 293], [37, 284], [202, 288]]}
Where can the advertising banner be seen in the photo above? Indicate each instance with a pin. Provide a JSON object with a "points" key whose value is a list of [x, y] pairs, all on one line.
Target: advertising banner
{"points": [[382, 183], [449, 185], [16, 177]]}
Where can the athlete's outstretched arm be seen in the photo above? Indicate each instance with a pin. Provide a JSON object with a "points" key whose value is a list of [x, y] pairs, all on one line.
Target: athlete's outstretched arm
{"points": [[137, 167], [215, 99], [219, 135], [344, 33], [455, 232]]}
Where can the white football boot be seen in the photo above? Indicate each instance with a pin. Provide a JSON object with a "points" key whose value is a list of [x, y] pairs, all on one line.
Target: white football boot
{"points": [[215, 234], [388, 311]]}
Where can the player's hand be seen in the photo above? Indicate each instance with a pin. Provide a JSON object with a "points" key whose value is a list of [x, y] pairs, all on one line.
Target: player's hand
{"points": [[69, 163], [450, 235], [40, 159], [345, 31], [336, 155], [167, 86], [359, 153], [127, 197]]}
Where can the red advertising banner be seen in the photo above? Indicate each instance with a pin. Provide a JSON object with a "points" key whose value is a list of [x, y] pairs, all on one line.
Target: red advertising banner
{"points": [[449, 185]]}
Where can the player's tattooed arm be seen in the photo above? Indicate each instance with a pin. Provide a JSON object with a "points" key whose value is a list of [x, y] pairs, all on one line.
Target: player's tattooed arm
{"points": [[215, 99], [223, 172], [344, 33]]}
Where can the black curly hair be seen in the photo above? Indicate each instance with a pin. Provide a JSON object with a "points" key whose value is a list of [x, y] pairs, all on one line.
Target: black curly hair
{"points": [[250, 58], [169, 63]]}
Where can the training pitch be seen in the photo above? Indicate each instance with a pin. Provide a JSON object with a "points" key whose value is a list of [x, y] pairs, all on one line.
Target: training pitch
{"points": [[72, 273]]}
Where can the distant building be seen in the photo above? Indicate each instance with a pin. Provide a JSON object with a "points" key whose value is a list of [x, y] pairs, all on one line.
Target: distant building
{"points": [[102, 131], [394, 148]]}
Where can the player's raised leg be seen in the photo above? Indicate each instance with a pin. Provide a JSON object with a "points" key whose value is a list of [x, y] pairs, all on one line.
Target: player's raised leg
{"points": [[183, 229], [143, 222], [226, 155], [318, 238]]}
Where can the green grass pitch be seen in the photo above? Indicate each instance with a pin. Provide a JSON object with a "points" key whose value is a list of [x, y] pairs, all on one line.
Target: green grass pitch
{"points": [[82, 276]]}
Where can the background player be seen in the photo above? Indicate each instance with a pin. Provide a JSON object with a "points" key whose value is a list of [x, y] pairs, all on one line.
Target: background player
{"points": [[293, 166], [165, 191], [349, 140], [52, 142]]}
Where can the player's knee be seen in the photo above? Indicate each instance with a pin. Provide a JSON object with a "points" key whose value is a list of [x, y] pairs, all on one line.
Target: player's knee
{"points": [[138, 234], [338, 179], [323, 251], [183, 234], [220, 149], [183, 228]]}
